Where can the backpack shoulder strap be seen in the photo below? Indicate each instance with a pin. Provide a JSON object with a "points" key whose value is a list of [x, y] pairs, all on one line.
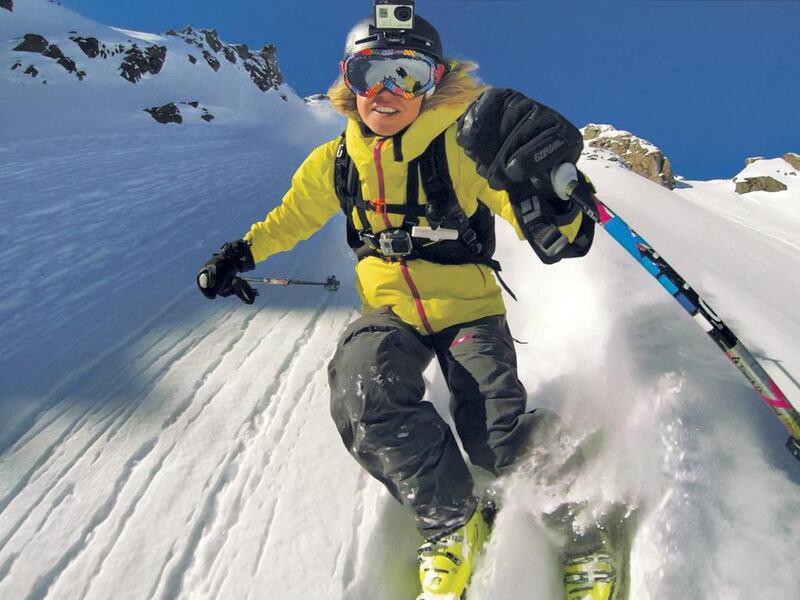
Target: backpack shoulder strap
{"points": [[342, 178], [436, 180], [442, 199], [347, 184]]}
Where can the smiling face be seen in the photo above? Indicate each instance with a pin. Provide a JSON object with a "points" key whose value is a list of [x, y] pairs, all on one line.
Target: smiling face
{"points": [[387, 114]]}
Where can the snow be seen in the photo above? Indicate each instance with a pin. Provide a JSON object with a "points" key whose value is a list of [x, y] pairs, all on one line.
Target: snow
{"points": [[150, 38], [154, 444]]}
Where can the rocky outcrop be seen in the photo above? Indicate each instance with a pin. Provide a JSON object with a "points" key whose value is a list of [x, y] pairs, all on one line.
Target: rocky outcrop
{"points": [[7, 4], [262, 67], [211, 60], [168, 113], [639, 155], [171, 113], [763, 183], [212, 39], [90, 46], [37, 44], [265, 72], [793, 159], [230, 54], [33, 42], [139, 62], [243, 50]]}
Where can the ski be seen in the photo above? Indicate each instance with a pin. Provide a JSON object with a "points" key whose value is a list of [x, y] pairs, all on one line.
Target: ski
{"points": [[566, 185]]}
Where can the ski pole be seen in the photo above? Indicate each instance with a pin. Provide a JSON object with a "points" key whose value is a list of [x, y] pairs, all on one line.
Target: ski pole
{"points": [[566, 185], [331, 283]]}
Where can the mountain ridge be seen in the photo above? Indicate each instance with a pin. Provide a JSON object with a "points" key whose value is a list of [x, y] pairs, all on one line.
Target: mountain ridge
{"points": [[48, 46]]}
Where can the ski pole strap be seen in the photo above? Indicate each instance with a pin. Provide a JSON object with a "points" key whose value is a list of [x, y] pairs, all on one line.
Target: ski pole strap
{"points": [[697, 308], [331, 283]]}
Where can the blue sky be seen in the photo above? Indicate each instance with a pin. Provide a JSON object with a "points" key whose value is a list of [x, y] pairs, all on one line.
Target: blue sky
{"points": [[710, 82]]}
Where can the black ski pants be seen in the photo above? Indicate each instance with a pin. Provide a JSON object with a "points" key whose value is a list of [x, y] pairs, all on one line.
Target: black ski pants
{"points": [[376, 401]]}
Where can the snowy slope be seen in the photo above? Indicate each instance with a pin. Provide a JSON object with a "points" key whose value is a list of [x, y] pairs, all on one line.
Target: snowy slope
{"points": [[157, 445]]}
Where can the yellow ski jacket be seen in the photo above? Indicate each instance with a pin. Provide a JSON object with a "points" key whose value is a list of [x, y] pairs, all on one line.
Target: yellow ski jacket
{"points": [[426, 295]]}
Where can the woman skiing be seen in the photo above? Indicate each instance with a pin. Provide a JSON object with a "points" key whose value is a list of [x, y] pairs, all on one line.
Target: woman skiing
{"points": [[428, 157]]}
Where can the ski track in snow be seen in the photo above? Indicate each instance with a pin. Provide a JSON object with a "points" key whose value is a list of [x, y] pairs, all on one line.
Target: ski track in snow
{"points": [[72, 428]]}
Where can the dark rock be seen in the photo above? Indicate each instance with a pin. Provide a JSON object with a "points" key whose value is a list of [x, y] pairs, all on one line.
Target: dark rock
{"points": [[171, 32], [284, 97], [263, 69], [191, 37], [211, 60], [68, 64], [37, 44], [7, 4], [268, 53], [208, 117], [90, 46], [192, 59], [32, 43], [212, 39], [31, 70], [168, 113], [16, 66], [759, 184], [243, 50], [193, 103], [793, 159], [137, 63], [265, 78], [229, 54]]}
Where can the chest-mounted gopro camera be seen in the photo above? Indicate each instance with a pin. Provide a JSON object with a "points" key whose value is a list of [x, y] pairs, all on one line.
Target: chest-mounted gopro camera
{"points": [[393, 15]]}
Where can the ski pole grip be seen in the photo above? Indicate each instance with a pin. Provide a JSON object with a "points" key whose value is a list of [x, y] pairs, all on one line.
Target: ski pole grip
{"points": [[794, 447], [564, 179]]}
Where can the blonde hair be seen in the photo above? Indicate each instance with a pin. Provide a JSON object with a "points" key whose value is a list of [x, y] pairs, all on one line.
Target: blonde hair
{"points": [[458, 87]]}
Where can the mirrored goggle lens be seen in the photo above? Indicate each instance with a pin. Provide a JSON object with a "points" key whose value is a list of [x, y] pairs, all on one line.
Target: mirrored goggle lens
{"points": [[408, 74]]}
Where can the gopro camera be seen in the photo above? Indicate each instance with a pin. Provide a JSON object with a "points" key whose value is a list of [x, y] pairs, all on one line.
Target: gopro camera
{"points": [[395, 242], [390, 14]]}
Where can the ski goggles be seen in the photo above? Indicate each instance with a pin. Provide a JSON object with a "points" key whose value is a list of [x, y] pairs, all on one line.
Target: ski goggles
{"points": [[405, 73]]}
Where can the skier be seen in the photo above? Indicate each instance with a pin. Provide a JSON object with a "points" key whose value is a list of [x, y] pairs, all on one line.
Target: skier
{"points": [[428, 156]]}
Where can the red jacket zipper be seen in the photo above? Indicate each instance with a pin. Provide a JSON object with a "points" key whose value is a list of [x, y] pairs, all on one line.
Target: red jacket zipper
{"points": [[403, 266]]}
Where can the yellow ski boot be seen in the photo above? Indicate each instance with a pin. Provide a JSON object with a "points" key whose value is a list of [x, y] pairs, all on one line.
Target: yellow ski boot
{"points": [[596, 566], [446, 563], [590, 576]]}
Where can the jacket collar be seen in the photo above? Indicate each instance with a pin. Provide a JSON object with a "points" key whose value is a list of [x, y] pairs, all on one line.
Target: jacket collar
{"points": [[415, 139]]}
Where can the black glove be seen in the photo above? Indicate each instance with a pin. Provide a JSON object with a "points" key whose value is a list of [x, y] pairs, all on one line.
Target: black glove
{"points": [[514, 139], [217, 277]]}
